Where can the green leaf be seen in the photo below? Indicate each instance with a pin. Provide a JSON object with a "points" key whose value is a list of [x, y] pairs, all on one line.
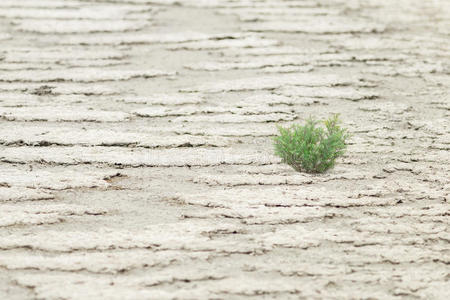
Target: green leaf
{"points": [[310, 148]]}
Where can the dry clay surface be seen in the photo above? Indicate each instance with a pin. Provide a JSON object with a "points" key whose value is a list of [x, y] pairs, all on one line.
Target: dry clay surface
{"points": [[136, 157]]}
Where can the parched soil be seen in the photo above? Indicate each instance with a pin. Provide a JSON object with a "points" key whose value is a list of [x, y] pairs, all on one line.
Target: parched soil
{"points": [[136, 156]]}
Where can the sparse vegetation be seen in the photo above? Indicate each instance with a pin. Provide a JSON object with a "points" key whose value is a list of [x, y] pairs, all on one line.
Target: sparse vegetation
{"points": [[311, 148]]}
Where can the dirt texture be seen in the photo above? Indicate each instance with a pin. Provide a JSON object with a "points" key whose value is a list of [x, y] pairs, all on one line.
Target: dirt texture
{"points": [[136, 156]]}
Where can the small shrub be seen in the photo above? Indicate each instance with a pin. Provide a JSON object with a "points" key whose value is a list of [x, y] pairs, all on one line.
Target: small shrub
{"points": [[311, 148]]}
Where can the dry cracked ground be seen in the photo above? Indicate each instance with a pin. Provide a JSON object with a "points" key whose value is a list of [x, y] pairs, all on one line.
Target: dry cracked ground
{"points": [[136, 159]]}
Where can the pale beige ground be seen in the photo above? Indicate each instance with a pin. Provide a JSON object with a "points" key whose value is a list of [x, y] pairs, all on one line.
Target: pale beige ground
{"points": [[137, 163]]}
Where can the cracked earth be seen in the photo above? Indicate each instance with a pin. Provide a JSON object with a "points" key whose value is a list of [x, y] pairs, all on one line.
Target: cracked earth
{"points": [[136, 159]]}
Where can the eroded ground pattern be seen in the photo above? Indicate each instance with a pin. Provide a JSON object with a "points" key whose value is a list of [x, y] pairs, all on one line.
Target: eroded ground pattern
{"points": [[136, 155]]}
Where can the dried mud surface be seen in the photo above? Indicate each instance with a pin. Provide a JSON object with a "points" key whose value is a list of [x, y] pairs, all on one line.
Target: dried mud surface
{"points": [[136, 158]]}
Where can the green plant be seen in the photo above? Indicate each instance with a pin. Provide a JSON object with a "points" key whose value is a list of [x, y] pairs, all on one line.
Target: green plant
{"points": [[311, 148]]}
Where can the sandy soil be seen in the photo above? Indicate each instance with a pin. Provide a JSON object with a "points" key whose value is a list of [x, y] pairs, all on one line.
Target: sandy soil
{"points": [[137, 162]]}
